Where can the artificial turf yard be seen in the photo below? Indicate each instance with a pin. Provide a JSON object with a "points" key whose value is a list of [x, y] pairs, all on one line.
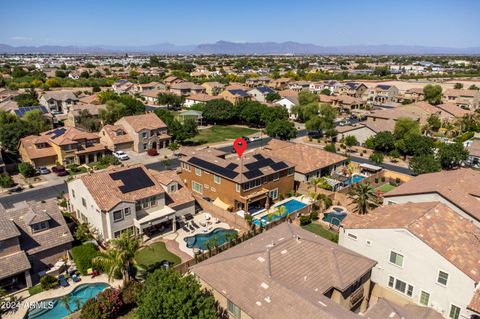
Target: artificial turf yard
{"points": [[321, 231], [385, 188], [220, 133], [156, 252]]}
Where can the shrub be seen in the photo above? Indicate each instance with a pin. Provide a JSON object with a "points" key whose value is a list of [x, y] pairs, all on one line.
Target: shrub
{"points": [[305, 220], [48, 282], [330, 148], [107, 305], [6, 181], [73, 168], [314, 215], [130, 292], [83, 255], [397, 180], [382, 179], [26, 169], [108, 160], [377, 158], [152, 152]]}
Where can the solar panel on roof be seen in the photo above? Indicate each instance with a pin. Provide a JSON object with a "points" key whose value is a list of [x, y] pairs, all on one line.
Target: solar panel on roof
{"points": [[231, 166], [228, 173], [259, 164], [58, 132], [21, 111], [278, 166], [132, 179], [253, 174], [258, 157]]}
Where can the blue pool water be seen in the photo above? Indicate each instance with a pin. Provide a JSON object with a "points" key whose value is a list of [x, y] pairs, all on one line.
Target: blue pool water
{"points": [[82, 292], [200, 240], [291, 206], [334, 218], [355, 179]]}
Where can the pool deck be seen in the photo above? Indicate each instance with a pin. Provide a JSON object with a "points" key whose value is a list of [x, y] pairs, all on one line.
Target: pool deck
{"points": [[58, 292], [304, 199], [180, 234]]}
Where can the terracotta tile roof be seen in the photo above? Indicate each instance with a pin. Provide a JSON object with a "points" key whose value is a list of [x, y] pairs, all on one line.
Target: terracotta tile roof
{"points": [[32, 151], [415, 90], [202, 97], [111, 130], [457, 186], [90, 99], [454, 110], [70, 136], [179, 197], [13, 264], [287, 93], [154, 93], [59, 95], [236, 86], [380, 125], [93, 109], [475, 302], [285, 272], [385, 309], [148, 121], [186, 86], [305, 158], [106, 191], [461, 92], [56, 235], [434, 223]]}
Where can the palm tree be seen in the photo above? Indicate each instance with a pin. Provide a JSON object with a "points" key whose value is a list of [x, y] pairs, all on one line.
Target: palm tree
{"points": [[65, 300], [316, 181], [365, 198], [119, 257]]}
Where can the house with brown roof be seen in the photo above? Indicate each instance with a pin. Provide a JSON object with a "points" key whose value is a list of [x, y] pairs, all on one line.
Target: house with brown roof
{"points": [[384, 309], [414, 94], [186, 88], [467, 99], [33, 237], [171, 80], [249, 184], [145, 130], [131, 198], [260, 81], [458, 189], [353, 89], [280, 83], [298, 85], [426, 253], [58, 102], [199, 98], [288, 272], [151, 96], [115, 138], [79, 110], [310, 162], [65, 145], [382, 93], [213, 88], [235, 96]]}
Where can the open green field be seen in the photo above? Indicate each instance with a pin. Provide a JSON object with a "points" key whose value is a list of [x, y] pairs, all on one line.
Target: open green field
{"points": [[385, 188], [155, 253], [220, 133], [321, 231]]}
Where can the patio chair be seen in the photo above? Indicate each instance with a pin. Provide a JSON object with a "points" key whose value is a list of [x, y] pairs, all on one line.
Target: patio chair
{"points": [[63, 281], [191, 227], [185, 228], [76, 278], [195, 225]]}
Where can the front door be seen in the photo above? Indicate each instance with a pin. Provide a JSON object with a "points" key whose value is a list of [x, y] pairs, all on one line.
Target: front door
{"points": [[154, 145]]}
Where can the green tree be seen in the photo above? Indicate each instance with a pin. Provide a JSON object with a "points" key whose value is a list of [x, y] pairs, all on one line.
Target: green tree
{"points": [[37, 120], [326, 92], [171, 100], [6, 181], [282, 129], [383, 142], [113, 112], [272, 96], [350, 141], [26, 169], [434, 122], [307, 97], [26, 99], [364, 197], [377, 157], [433, 94], [405, 126], [458, 86], [473, 87], [169, 295], [422, 164], [82, 233], [330, 148], [219, 111], [452, 155]]}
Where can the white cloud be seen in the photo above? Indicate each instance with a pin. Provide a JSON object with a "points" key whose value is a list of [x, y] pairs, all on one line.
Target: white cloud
{"points": [[19, 38]]}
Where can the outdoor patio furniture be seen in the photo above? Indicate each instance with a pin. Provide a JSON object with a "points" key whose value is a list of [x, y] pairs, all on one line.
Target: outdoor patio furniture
{"points": [[76, 278], [217, 221], [203, 224], [195, 225], [63, 281], [191, 227], [185, 228]]}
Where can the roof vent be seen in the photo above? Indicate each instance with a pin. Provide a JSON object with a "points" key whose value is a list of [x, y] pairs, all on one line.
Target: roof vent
{"points": [[258, 303], [261, 259], [321, 303], [305, 277], [264, 285], [283, 252], [392, 315], [267, 299]]}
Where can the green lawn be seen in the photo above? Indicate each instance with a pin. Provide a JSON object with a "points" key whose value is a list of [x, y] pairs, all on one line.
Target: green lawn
{"points": [[219, 133], [155, 253], [321, 231], [385, 188], [35, 289]]}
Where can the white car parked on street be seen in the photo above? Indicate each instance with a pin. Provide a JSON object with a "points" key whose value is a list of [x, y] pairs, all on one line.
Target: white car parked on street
{"points": [[121, 155]]}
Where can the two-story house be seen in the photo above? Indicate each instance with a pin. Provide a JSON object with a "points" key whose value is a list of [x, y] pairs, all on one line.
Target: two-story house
{"points": [[260, 81], [213, 88], [467, 99], [298, 85], [260, 93], [382, 93], [186, 88], [58, 102], [235, 96], [353, 89], [248, 184], [145, 130], [426, 254], [65, 145], [33, 236], [130, 198]]}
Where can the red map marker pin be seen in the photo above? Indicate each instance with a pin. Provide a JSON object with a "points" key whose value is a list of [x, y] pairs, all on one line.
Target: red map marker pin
{"points": [[239, 145]]}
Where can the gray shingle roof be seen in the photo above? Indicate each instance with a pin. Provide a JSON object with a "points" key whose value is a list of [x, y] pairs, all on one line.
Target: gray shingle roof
{"points": [[13, 264]]}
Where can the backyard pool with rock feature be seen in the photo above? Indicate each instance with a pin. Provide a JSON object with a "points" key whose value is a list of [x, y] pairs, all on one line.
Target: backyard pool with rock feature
{"points": [[200, 241]]}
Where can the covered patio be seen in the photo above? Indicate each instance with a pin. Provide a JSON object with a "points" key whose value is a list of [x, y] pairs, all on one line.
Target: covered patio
{"points": [[160, 221]]}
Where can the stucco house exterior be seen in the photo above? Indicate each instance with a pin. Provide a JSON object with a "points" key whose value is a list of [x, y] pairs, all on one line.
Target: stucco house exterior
{"points": [[426, 254], [58, 102], [130, 198]]}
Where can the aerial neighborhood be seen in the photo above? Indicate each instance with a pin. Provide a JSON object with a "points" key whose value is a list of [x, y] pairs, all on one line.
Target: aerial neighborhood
{"points": [[239, 180]]}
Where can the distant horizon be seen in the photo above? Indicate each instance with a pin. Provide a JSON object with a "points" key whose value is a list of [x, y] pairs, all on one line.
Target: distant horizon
{"points": [[430, 23]]}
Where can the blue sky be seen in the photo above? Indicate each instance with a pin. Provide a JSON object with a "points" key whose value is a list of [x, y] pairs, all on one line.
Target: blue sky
{"points": [[449, 23]]}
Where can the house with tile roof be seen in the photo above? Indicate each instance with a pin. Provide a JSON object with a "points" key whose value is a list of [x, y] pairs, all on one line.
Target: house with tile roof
{"points": [[33, 236], [235, 96], [147, 131], [65, 145], [458, 189], [467, 99], [58, 102], [201, 98], [426, 253], [353, 89], [310, 162], [213, 88], [288, 272], [131, 198], [259, 93], [382, 93], [186, 88]]}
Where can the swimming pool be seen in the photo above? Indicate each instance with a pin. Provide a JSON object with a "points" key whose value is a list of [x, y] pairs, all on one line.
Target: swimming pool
{"points": [[356, 178], [200, 240], [82, 293], [335, 217], [291, 206]]}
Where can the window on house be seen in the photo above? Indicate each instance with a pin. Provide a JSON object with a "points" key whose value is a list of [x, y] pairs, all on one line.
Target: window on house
{"points": [[198, 172], [291, 171], [391, 281], [153, 201], [273, 194], [424, 298], [409, 290], [173, 187], [145, 203], [73, 193], [127, 211], [84, 202], [145, 146], [217, 179], [276, 176], [117, 216], [38, 227], [197, 187], [442, 278], [234, 309], [352, 236], [454, 312], [237, 188], [400, 285], [396, 258], [144, 135]]}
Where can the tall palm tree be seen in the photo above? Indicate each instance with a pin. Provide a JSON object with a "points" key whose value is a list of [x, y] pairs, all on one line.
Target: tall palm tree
{"points": [[364, 197], [119, 257]]}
